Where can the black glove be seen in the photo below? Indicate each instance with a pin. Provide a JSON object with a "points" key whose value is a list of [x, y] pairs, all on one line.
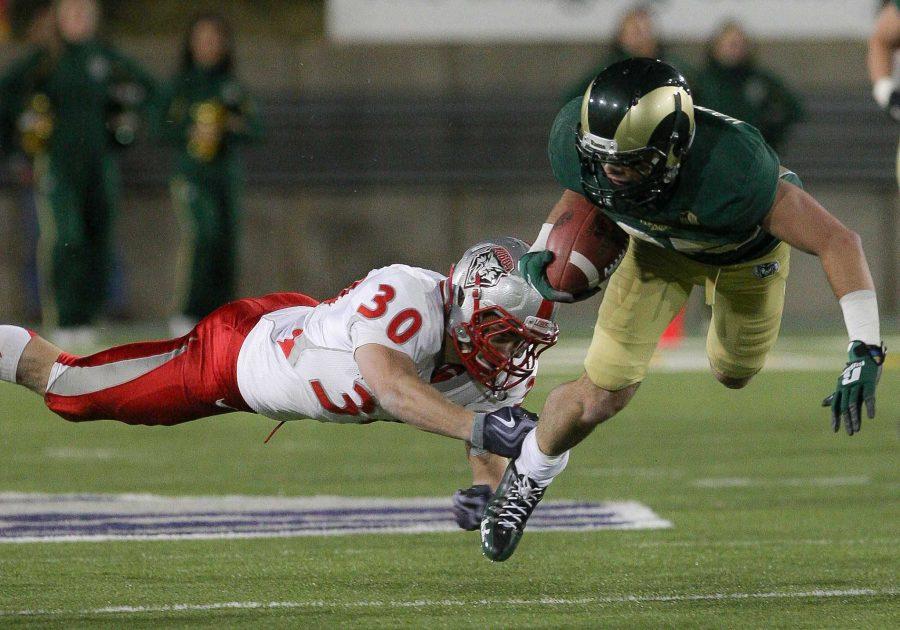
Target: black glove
{"points": [[469, 504], [502, 432], [856, 386]]}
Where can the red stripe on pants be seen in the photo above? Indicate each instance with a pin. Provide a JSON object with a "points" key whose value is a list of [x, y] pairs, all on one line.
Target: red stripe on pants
{"points": [[187, 386]]}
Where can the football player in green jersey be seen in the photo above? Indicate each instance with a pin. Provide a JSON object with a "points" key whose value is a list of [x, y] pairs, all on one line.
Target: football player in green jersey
{"points": [[883, 43], [884, 40], [706, 203]]}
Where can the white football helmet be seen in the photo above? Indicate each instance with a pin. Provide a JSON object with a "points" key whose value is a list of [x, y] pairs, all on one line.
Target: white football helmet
{"points": [[498, 322]]}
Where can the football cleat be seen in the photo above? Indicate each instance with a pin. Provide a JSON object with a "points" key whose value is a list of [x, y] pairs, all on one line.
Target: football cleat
{"points": [[504, 520]]}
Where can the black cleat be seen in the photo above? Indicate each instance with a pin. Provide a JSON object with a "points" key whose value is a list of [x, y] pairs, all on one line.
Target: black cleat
{"points": [[504, 520]]}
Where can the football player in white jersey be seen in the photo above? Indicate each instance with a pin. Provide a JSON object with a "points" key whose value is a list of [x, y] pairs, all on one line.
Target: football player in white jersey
{"points": [[450, 355]]}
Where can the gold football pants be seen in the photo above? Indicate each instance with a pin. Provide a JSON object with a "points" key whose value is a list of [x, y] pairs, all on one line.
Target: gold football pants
{"points": [[650, 287]]}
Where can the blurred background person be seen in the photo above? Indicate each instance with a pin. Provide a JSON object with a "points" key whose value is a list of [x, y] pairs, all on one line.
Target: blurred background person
{"points": [[74, 100], [207, 113], [635, 37], [883, 42], [5, 21], [731, 82], [21, 129]]}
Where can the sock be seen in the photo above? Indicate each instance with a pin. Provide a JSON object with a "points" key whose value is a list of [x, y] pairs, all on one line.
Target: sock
{"points": [[13, 340], [538, 466], [55, 372]]}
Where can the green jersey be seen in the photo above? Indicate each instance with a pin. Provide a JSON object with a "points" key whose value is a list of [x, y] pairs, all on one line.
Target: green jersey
{"points": [[724, 190], [617, 53], [215, 100], [79, 85], [750, 93]]}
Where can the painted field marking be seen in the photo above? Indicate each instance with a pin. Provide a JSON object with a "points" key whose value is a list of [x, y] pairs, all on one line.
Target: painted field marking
{"points": [[688, 360], [28, 518], [748, 482], [791, 354], [67, 452], [456, 603], [798, 542]]}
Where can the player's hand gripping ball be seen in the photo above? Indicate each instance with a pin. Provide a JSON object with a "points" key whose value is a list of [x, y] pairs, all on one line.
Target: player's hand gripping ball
{"points": [[583, 249]]}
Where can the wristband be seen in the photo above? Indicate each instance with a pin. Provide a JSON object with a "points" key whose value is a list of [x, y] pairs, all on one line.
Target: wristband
{"points": [[540, 243], [477, 438], [861, 317], [881, 91]]}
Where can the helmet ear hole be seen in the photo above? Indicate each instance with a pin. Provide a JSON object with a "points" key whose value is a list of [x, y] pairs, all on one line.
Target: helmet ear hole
{"points": [[460, 296]]}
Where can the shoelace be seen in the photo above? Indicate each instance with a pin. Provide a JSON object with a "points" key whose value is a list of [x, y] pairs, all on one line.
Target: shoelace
{"points": [[522, 500]]}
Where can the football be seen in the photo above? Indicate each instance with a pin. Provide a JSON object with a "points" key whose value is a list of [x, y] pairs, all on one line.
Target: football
{"points": [[587, 247]]}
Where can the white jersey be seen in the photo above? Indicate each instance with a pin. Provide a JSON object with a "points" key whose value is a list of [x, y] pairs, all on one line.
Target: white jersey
{"points": [[298, 362]]}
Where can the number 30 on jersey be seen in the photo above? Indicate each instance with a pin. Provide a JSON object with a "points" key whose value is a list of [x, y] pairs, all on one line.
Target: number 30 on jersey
{"points": [[403, 326]]}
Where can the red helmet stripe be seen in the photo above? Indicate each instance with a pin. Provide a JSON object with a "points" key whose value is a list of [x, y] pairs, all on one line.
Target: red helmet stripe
{"points": [[545, 310]]}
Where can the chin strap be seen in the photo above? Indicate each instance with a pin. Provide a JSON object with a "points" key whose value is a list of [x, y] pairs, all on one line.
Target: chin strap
{"points": [[671, 171]]}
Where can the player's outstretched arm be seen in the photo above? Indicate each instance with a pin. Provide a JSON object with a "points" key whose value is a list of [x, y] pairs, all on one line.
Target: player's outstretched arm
{"points": [[800, 221], [396, 384]]}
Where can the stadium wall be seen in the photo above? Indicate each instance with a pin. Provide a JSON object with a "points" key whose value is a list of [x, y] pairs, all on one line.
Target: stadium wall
{"points": [[318, 66], [318, 239]]}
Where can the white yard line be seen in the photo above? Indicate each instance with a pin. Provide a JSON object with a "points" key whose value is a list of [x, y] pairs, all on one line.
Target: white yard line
{"points": [[791, 354], [458, 603], [799, 542], [69, 453], [748, 482]]}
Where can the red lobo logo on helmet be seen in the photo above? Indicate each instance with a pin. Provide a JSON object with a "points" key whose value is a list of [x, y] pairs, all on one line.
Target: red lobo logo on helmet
{"points": [[487, 267]]}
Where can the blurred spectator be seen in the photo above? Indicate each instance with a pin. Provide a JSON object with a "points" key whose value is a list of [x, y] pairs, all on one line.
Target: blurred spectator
{"points": [[71, 100], [207, 113], [635, 37], [732, 83], [883, 43], [36, 22], [5, 21], [885, 39]]}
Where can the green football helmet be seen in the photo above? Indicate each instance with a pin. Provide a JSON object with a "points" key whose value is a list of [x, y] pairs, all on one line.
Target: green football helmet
{"points": [[637, 114]]}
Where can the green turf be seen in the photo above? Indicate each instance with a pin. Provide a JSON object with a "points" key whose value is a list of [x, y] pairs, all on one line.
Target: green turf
{"points": [[804, 511]]}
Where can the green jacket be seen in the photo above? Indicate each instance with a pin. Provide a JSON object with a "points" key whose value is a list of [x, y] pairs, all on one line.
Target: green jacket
{"points": [[617, 53], [751, 94], [217, 102], [82, 88]]}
